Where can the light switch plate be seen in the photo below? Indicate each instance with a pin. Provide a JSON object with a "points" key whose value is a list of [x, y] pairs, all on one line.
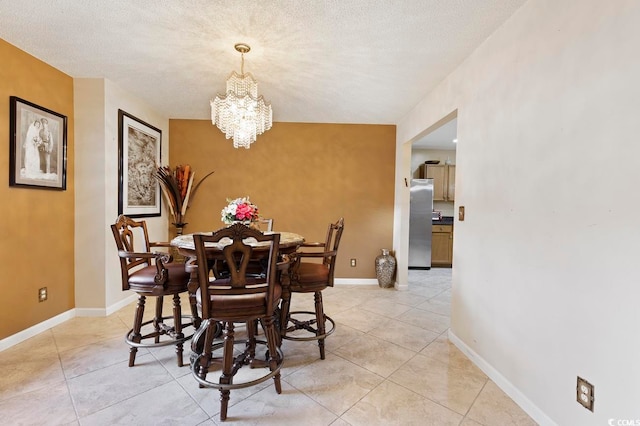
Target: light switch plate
{"points": [[461, 213]]}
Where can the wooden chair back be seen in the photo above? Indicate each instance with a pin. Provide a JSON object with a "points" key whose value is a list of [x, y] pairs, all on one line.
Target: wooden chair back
{"points": [[237, 255], [324, 253], [124, 232], [334, 234]]}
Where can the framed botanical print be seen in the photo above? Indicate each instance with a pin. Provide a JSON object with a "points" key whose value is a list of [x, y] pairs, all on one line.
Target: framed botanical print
{"points": [[37, 146], [139, 154]]}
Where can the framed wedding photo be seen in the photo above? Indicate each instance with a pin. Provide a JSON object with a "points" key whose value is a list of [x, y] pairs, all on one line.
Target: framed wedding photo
{"points": [[37, 146], [139, 152]]}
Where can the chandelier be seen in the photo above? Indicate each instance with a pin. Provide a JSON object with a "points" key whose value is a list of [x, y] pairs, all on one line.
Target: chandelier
{"points": [[241, 114]]}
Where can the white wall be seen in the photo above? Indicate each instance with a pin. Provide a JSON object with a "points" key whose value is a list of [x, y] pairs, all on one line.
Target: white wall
{"points": [[98, 282], [545, 264]]}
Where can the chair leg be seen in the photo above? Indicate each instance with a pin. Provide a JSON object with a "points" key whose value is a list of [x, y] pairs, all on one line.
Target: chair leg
{"points": [[272, 343], [195, 316], [285, 307], [251, 340], [136, 337], [205, 359], [177, 325], [227, 368], [192, 286], [157, 320], [320, 321]]}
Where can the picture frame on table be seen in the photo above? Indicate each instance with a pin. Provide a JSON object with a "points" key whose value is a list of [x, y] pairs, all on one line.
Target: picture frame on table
{"points": [[37, 146], [139, 153]]}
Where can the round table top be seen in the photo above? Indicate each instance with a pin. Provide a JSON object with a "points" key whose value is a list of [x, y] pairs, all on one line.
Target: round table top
{"points": [[287, 239]]}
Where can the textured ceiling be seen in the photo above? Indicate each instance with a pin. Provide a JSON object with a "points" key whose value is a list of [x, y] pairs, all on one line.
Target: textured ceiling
{"points": [[330, 61]]}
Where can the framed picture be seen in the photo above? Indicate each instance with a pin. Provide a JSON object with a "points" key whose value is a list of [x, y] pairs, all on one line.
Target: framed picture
{"points": [[139, 153], [37, 147]]}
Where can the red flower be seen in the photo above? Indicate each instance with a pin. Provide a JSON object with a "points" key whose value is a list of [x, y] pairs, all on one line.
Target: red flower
{"points": [[244, 212]]}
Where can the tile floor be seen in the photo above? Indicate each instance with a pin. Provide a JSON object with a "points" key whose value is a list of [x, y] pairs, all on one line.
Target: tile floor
{"points": [[389, 363]]}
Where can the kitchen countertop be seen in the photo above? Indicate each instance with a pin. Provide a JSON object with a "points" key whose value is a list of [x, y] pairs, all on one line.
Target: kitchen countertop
{"points": [[446, 220]]}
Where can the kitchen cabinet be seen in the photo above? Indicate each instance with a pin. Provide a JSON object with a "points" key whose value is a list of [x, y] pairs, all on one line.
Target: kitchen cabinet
{"points": [[451, 183], [444, 180], [441, 245]]}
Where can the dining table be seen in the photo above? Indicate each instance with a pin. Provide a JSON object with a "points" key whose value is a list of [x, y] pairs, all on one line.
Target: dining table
{"points": [[289, 242]]}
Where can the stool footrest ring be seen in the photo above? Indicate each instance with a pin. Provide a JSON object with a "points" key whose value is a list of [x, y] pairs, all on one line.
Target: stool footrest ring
{"points": [[195, 360], [164, 331], [308, 326]]}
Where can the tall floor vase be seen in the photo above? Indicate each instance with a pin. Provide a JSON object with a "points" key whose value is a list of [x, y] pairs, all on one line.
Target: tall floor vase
{"points": [[385, 269], [177, 257]]}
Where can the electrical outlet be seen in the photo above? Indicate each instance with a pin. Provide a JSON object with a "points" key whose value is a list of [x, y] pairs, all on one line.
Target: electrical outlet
{"points": [[42, 294], [353, 263], [584, 391]]}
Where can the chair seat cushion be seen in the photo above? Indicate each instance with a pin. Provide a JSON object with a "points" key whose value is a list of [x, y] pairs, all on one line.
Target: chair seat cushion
{"points": [[142, 280], [223, 306], [311, 277]]}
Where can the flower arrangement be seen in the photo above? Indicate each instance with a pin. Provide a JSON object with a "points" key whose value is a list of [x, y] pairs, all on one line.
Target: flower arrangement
{"points": [[177, 187], [240, 209]]}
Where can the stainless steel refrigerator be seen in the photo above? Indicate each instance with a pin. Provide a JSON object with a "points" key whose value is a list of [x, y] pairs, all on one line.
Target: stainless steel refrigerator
{"points": [[420, 207]]}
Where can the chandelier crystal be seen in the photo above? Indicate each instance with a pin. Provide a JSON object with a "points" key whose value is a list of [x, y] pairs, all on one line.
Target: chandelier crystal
{"points": [[241, 114]]}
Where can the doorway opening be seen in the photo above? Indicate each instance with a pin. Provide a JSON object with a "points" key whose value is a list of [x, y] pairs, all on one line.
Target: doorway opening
{"points": [[433, 164]]}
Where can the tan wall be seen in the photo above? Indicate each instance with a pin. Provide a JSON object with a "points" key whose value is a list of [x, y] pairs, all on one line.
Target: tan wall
{"points": [[36, 229], [301, 175]]}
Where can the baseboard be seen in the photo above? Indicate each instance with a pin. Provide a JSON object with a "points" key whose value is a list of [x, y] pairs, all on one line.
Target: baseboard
{"points": [[23, 335], [366, 281], [103, 312], [507, 387], [355, 281], [91, 312], [34, 330]]}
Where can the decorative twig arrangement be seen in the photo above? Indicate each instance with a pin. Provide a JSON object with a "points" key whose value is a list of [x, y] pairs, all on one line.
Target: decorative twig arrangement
{"points": [[177, 187]]}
